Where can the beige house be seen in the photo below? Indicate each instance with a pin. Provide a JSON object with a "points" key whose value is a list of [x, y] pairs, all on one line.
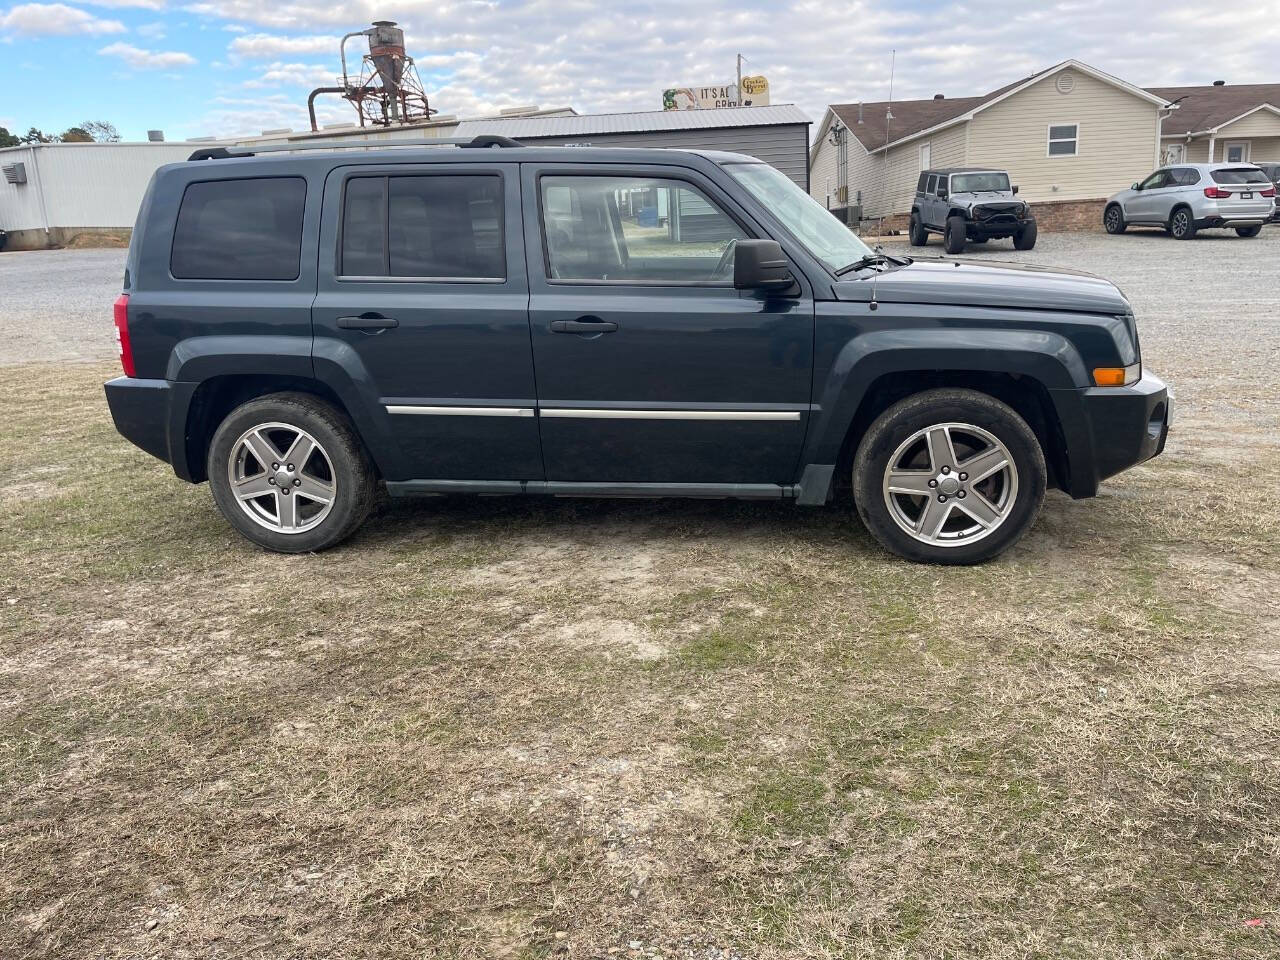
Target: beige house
{"points": [[1221, 123], [1068, 134]]}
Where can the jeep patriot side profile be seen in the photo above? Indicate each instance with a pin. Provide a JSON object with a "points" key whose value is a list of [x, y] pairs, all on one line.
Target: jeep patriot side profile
{"points": [[301, 327]]}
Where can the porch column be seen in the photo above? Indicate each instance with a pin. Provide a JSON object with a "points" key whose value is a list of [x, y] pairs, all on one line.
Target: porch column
{"points": [[1211, 160]]}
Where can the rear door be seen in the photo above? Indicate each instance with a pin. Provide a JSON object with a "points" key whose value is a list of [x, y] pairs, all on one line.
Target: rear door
{"points": [[651, 367], [423, 304]]}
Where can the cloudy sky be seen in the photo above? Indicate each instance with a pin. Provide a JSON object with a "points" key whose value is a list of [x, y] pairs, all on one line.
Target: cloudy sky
{"points": [[235, 66]]}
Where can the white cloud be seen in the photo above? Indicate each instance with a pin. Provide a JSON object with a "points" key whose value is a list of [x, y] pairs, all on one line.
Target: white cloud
{"points": [[147, 59], [142, 4], [54, 19], [262, 46], [308, 75], [152, 31]]}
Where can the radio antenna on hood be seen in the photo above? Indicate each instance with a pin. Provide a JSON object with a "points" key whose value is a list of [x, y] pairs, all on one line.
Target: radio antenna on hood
{"points": [[884, 179]]}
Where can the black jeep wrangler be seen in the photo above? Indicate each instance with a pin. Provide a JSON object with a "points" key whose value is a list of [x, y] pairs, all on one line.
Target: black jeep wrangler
{"points": [[303, 328], [969, 204]]}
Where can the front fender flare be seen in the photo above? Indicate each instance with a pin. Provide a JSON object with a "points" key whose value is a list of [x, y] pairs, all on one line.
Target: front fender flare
{"points": [[1045, 357]]}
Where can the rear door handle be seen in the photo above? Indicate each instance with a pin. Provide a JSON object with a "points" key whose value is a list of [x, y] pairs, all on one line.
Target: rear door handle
{"points": [[368, 321], [583, 325]]}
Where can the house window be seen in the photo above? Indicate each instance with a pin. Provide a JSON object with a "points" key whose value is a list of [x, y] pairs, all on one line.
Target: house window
{"points": [[1175, 153], [1238, 152], [925, 158], [1064, 139]]}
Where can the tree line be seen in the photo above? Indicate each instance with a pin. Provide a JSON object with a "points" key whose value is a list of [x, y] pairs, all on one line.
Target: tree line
{"points": [[91, 131]]}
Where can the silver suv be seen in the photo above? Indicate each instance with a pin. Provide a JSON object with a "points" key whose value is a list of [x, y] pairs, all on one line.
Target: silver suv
{"points": [[1195, 196]]}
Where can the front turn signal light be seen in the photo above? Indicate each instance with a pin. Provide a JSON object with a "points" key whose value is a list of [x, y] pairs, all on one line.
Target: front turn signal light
{"points": [[1117, 376]]}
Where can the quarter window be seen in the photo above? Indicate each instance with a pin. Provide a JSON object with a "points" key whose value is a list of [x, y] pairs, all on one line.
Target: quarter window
{"points": [[635, 230], [245, 229], [432, 227], [1064, 140]]}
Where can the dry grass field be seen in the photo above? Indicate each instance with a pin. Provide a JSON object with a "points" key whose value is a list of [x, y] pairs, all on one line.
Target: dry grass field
{"points": [[527, 728]]}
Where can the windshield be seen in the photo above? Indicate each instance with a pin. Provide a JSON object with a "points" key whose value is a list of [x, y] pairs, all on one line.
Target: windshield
{"points": [[978, 182], [808, 221], [1239, 175]]}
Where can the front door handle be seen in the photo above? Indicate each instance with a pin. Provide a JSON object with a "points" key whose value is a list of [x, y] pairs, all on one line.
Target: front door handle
{"points": [[368, 321], [583, 325]]}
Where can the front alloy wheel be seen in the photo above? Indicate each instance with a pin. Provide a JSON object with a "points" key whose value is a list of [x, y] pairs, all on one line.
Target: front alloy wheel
{"points": [[950, 484], [950, 476]]}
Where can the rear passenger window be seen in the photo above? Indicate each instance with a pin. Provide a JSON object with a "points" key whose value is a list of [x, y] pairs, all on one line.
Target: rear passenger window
{"points": [[932, 185], [248, 229], [429, 227]]}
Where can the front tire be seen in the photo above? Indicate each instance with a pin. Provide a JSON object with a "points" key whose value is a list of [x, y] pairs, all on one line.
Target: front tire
{"points": [[916, 232], [1025, 238], [949, 476], [954, 236], [289, 473], [1182, 225], [1113, 219], [1248, 232]]}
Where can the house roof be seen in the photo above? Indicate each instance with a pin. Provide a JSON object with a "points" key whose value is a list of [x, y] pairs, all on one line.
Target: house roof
{"points": [[1206, 108], [914, 117], [644, 121]]}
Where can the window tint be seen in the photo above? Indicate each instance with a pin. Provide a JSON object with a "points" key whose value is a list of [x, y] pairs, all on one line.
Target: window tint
{"points": [[931, 185], [635, 229], [920, 184], [979, 182], [1158, 179], [247, 229], [941, 188], [1186, 177], [441, 227], [1063, 139], [1239, 175]]}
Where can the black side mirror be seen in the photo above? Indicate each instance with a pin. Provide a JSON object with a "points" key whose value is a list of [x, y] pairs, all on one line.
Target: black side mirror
{"points": [[1015, 189], [760, 265], [1135, 186]]}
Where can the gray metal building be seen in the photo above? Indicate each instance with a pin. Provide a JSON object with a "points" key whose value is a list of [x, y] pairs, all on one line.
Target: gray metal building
{"points": [[778, 135]]}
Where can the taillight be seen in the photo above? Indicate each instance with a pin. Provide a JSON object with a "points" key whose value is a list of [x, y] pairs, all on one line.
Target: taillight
{"points": [[121, 315], [1216, 193], [1269, 192]]}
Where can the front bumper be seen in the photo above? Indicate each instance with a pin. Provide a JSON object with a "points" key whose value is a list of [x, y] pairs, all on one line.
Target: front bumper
{"points": [[1110, 429], [152, 415]]}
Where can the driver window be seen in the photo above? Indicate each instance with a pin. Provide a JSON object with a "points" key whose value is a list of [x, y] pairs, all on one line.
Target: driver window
{"points": [[942, 186], [1156, 180], [635, 230]]}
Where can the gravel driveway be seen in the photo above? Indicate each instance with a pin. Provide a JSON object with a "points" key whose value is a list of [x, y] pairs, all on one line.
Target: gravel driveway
{"points": [[58, 304]]}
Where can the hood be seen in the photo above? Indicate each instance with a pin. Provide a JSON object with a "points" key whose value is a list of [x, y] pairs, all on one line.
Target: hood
{"points": [[988, 283], [985, 196]]}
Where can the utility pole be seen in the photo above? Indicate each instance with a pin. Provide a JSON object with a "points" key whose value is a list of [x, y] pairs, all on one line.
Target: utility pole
{"points": [[739, 93]]}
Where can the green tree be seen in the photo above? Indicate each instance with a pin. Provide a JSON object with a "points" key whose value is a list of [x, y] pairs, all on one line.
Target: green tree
{"points": [[37, 136], [7, 139], [76, 135]]}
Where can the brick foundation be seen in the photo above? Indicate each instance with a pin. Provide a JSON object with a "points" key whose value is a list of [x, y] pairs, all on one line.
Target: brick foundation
{"points": [[1053, 216]]}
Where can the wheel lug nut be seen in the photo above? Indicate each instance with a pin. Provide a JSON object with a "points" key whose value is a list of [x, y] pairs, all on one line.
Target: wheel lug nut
{"points": [[964, 476], [297, 483], [290, 467], [275, 466], [933, 483], [271, 480], [960, 494], [942, 499], [946, 469]]}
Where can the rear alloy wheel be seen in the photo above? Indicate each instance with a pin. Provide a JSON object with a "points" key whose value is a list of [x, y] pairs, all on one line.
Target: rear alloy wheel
{"points": [[1248, 232], [955, 235], [916, 232], [288, 472], [1182, 225], [1025, 238], [949, 476], [1113, 219]]}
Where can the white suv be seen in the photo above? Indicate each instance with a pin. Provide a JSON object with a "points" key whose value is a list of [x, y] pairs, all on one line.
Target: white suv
{"points": [[1195, 196]]}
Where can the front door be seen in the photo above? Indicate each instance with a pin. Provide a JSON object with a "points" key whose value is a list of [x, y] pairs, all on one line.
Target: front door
{"points": [[422, 306], [651, 367], [1153, 202]]}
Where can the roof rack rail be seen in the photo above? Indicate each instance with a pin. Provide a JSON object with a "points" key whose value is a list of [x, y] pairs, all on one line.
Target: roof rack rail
{"points": [[228, 153]]}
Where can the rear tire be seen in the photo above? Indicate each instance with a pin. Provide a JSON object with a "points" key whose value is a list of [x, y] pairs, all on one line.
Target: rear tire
{"points": [[954, 237], [916, 232], [1025, 239], [1248, 232], [1182, 225], [1009, 493], [331, 486], [1113, 219]]}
